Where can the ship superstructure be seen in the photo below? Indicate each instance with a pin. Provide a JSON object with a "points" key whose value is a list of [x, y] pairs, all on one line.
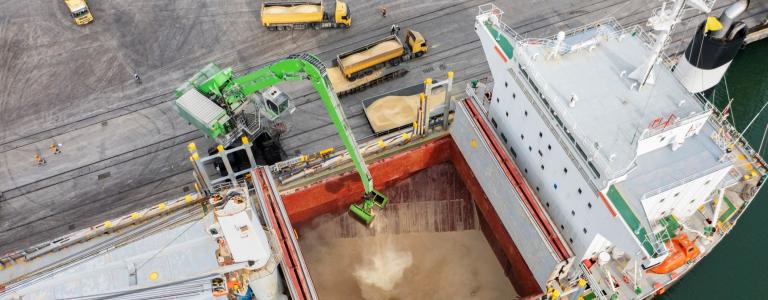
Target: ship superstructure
{"points": [[633, 175]]}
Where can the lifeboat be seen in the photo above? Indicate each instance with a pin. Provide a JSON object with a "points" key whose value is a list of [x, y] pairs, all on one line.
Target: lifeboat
{"points": [[681, 251]]}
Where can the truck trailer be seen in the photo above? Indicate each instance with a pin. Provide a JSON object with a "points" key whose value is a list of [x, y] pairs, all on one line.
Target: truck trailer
{"points": [[287, 15], [390, 50]]}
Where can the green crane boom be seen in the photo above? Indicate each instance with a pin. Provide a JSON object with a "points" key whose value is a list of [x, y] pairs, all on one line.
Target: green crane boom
{"points": [[232, 92]]}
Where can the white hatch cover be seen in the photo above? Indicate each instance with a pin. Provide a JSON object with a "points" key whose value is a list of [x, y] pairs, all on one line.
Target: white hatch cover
{"points": [[246, 242]]}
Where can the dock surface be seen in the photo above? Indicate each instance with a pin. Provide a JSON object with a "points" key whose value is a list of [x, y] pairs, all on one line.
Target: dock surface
{"points": [[124, 147]]}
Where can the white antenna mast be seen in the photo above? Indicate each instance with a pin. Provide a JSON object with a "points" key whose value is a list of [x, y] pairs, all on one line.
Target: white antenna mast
{"points": [[663, 22]]}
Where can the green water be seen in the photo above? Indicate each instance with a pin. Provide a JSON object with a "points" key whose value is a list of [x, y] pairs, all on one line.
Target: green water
{"points": [[738, 267]]}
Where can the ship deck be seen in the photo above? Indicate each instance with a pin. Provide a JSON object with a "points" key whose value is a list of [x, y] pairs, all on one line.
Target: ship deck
{"points": [[628, 110], [737, 198]]}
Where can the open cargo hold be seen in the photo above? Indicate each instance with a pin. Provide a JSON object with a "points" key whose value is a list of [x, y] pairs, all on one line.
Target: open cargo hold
{"points": [[426, 244], [333, 195]]}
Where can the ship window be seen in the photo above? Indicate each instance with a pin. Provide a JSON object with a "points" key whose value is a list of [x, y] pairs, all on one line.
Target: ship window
{"points": [[522, 137], [571, 240], [693, 201], [555, 185], [542, 167], [549, 147], [565, 170], [507, 113], [585, 230], [530, 149], [505, 84], [497, 100], [513, 95], [562, 227], [526, 113], [547, 204], [706, 182], [541, 134], [589, 205], [537, 188], [573, 213], [662, 138], [676, 194], [541, 154], [579, 190], [526, 170], [494, 123], [504, 138], [662, 200], [513, 152]]}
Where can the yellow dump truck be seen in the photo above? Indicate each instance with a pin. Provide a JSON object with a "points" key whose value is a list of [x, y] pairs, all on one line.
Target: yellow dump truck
{"points": [[287, 15], [365, 60], [79, 11]]}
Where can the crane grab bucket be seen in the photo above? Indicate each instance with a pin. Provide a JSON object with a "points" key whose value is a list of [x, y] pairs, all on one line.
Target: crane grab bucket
{"points": [[364, 211]]}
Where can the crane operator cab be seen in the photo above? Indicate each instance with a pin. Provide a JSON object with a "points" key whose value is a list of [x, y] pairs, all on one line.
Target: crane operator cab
{"points": [[416, 42], [276, 103]]}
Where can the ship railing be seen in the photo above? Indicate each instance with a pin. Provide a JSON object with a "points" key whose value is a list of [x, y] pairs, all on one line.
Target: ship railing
{"points": [[680, 182], [679, 122], [589, 149], [488, 10], [594, 284]]}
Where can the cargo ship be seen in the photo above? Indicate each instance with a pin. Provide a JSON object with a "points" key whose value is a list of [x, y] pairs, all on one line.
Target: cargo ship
{"points": [[583, 166]]}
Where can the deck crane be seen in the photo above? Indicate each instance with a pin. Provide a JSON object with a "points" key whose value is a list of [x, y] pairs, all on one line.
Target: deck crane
{"points": [[223, 107]]}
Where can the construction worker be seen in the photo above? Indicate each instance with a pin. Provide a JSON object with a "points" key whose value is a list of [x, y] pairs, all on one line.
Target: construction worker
{"points": [[40, 160], [55, 148], [383, 11], [395, 29]]}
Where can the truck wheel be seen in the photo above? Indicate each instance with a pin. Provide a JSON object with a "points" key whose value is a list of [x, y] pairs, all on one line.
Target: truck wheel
{"points": [[353, 77], [419, 54], [368, 72], [394, 62]]}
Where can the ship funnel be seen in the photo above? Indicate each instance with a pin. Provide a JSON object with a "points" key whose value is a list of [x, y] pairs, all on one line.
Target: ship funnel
{"points": [[729, 16], [710, 53]]}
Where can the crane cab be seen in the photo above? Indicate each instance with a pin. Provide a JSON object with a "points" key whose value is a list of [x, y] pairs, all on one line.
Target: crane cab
{"points": [[79, 11], [276, 103], [416, 42], [341, 14]]}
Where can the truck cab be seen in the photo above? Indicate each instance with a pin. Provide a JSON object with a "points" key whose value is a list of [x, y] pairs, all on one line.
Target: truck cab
{"points": [[416, 42], [79, 11], [342, 15]]}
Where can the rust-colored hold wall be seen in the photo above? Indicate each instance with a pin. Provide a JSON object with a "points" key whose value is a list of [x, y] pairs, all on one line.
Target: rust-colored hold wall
{"points": [[336, 193]]}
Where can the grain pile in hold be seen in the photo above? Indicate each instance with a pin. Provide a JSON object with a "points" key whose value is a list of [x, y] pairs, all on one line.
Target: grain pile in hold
{"points": [[298, 9], [379, 49], [394, 111]]}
